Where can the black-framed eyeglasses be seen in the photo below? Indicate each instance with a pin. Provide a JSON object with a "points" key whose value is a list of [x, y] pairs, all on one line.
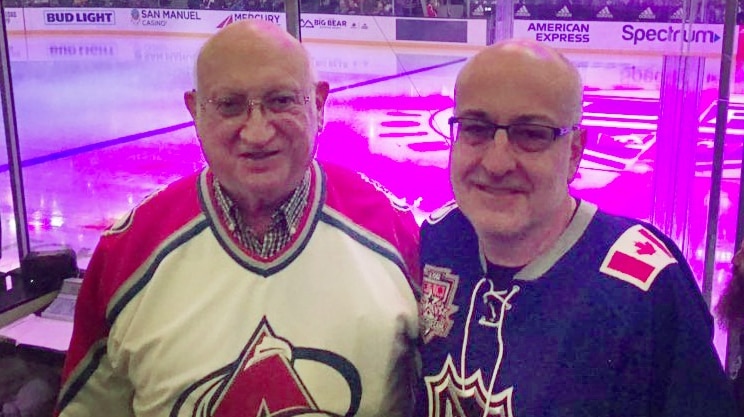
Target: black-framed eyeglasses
{"points": [[529, 137], [273, 103]]}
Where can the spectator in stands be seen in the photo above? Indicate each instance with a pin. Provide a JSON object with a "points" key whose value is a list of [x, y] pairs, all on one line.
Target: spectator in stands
{"points": [[730, 310], [388, 8], [328, 6], [431, 10], [405, 7], [215, 4], [268, 283], [236, 5], [382, 8], [379, 8]]}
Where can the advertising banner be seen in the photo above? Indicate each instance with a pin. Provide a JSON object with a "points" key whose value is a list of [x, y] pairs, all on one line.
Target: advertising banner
{"points": [[637, 37], [634, 37], [194, 21], [347, 27], [143, 20], [14, 19], [139, 20]]}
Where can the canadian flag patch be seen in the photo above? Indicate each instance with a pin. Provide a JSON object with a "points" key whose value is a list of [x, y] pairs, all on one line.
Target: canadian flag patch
{"points": [[637, 257]]}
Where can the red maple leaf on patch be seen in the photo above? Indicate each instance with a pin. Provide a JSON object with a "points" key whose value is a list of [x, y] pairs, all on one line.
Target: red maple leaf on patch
{"points": [[645, 248]]}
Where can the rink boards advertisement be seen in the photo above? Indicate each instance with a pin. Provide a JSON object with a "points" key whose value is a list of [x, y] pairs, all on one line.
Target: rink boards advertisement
{"points": [[138, 20], [639, 37], [14, 19], [634, 37], [313, 26]]}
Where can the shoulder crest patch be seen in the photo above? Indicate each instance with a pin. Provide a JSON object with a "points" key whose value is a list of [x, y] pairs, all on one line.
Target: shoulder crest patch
{"points": [[637, 257], [436, 308]]}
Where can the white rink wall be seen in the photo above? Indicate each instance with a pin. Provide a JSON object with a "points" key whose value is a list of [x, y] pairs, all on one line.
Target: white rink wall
{"points": [[590, 36]]}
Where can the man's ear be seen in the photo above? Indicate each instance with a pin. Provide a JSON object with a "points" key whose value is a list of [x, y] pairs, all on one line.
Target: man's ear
{"points": [[189, 98], [321, 94], [578, 143]]}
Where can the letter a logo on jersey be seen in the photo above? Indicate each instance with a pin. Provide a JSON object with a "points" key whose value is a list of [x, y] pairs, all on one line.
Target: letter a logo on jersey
{"points": [[266, 373], [263, 382]]}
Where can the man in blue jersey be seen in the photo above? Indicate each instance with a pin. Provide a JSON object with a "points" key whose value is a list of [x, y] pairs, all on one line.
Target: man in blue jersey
{"points": [[535, 303]]}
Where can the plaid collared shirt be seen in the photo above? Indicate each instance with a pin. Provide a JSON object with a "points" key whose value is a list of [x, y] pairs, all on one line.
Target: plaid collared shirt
{"points": [[283, 226]]}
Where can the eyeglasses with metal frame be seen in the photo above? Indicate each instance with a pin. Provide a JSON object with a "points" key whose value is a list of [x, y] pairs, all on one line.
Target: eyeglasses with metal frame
{"points": [[273, 103], [529, 137]]}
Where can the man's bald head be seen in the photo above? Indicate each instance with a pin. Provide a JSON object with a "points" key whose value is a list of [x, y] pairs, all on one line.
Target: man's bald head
{"points": [[533, 59], [248, 37]]}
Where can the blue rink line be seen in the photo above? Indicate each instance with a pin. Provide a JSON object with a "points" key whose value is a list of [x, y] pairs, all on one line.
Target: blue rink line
{"points": [[96, 146], [144, 135]]}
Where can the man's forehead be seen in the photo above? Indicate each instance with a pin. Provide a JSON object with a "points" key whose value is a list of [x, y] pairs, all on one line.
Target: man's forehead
{"points": [[227, 52], [247, 42], [517, 93], [518, 63], [250, 37]]}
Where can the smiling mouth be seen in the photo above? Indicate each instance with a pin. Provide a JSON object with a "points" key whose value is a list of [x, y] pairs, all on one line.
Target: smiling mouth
{"points": [[258, 156], [498, 190]]}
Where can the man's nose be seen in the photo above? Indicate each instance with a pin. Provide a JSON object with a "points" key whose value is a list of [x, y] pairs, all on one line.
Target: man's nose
{"points": [[257, 128], [499, 157]]}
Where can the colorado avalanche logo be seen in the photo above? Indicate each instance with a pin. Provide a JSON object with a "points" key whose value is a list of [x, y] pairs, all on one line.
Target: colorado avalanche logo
{"points": [[263, 382], [438, 290], [452, 395]]}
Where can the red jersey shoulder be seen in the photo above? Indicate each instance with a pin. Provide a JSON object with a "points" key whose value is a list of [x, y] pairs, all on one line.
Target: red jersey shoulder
{"points": [[637, 257], [131, 243], [351, 192], [365, 203], [170, 206]]}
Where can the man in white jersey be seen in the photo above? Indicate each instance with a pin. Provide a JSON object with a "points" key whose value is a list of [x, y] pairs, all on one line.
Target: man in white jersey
{"points": [[266, 284]]}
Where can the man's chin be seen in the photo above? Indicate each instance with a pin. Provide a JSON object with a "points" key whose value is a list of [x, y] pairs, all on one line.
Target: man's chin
{"points": [[498, 225], [269, 188]]}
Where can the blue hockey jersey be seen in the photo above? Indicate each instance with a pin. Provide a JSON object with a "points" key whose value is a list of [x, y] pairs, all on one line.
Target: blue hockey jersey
{"points": [[609, 322]]}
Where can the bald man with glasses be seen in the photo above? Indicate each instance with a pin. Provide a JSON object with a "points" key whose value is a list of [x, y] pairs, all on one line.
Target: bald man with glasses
{"points": [[535, 303], [266, 284]]}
